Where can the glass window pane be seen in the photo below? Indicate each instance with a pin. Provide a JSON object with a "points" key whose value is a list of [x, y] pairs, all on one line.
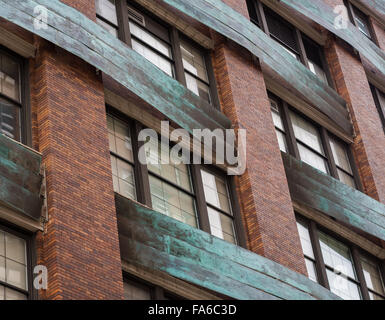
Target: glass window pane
{"points": [[10, 119], [193, 61], [362, 22], [9, 77], [13, 295], [162, 63], [372, 274], [318, 71], [304, 236], [2, 243], [312, 158], [340, 155], [346, 178], [342, 287], [107, 9], [306, 132], [311, 270], [16, 248], [120, 138], [198, 87], [277, 120], [16, 274], [215, 191], [178, 174], [172, 202], [108, 27], [374, 296], [281, 141], [136, 291], [2, 293], [221, 226], [2, 269], [336, 255], [125, 180]]}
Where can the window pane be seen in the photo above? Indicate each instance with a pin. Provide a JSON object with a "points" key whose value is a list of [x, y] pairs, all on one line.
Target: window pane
{"points": [[178, 174], [362, 22], [346, 178], [10, 119], [374, 296], [198, 87], [281, 141], [124, 181], [304, 236], [311, 270], [193, 61], [372, 275], [172, 202], [15, 248], [312, 158], [277, 120], [318, 71], [13, 295], [110, 29], [215, 191], [340, 155], [306, 132], [336, 255], [107, 9], [120, 138], [16, 274], [136, 291], [162, 63], [342, 287], [221, 226], [9, 77]]}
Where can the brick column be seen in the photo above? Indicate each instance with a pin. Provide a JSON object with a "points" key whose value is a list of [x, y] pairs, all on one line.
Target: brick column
{"points": [[263, 191], [369, 140], [80, 246]]}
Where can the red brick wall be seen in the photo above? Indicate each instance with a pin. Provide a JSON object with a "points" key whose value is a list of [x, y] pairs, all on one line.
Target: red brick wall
{"points": [[263, 191], [86, 7], [369, 142], [80, 246], [380, 34]]}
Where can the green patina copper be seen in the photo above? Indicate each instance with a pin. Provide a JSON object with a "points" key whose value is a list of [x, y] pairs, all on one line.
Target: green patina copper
{"points": [[71, 30], [323, 14], [159, 242], [228, 22], [20, 178], [322, 192]]}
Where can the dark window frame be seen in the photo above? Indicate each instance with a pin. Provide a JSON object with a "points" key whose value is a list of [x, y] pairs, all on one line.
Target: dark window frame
{"points": [[175, 35], [292, 142], [380, 108], [156, 292], [24, 103], [31, 293], [257, 9], [355, 251], [352, 12], [142, 182]]}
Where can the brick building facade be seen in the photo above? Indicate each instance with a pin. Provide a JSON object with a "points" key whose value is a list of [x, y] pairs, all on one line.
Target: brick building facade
{"points": [[305, 220]]}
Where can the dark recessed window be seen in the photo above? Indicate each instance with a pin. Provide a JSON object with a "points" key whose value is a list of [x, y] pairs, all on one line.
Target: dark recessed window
{"points": [[345, 269], [201, 196], [360, 20], [162, 45], [12, 102], [138, 289], [311, 143], [379, 99], [14, 257], [291, 39]]}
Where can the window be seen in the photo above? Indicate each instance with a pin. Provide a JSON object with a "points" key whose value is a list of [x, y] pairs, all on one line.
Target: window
{"points": [[379, 99], [13, 266], [218, 206], [106, 15], [162, 45], [200, 196], [138, 289], [339, 268], [312, 144], [343, 268], [360, 20], [291, 39], [12, 100], [373, 277]]}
